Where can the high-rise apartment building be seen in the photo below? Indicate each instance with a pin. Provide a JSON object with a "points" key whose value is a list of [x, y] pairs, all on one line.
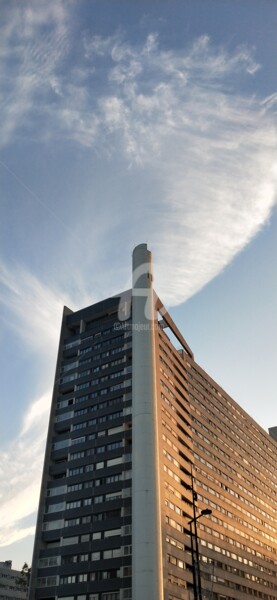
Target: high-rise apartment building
{"points": [[141, 443]]}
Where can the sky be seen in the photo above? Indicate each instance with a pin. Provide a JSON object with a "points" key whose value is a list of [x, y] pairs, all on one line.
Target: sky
{"points": [[124, 123]]}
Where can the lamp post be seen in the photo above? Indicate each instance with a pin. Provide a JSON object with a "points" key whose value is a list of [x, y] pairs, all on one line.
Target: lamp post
{"points": [[197, 589]]}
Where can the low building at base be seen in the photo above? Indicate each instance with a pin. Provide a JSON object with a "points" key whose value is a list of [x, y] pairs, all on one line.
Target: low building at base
{"points": [[13, 586]]}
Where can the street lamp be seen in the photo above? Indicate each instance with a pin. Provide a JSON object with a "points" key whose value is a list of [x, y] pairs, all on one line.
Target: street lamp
{"points": [[197, 589]]}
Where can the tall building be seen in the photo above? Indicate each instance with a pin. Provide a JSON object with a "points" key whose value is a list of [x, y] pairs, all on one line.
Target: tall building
{"points": [[143, 449]]}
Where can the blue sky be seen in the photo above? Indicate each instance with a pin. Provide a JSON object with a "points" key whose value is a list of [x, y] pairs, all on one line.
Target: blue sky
{"points": [[127, 122]]}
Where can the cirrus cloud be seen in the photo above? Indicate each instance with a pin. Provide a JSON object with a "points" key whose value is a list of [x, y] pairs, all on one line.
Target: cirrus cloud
{"points": [[174, 113]]}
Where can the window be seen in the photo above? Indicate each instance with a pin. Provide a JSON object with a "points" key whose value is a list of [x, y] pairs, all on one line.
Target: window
{"points": [[114, 461], [61, 489], [61, 444], [46, 581], [53, 544], [100, 465], [78, 440], [114, 478], [115, 445], [68, 560], [113, 495], [51, 561], [75, 504], [86, 519], [112, 532], [98, 499], [72, 522], [50, 525], [112, 553], [84, 557], [67, 579], [68, 378], [76, 471], [64, 416], [87, 501], [67, 541], [76, 455], [75, 487]]}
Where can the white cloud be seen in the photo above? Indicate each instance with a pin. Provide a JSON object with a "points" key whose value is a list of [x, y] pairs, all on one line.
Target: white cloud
{"points": [[34, 312], [212, 151], [36, 309], [174, 113], [30, 54], [20, 473]]}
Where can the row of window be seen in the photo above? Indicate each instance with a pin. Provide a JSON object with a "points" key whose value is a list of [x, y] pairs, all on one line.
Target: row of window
{"points": [[172, 406], [96, 381], [98, 465], [243, 431], [86, 338], [79, 399], [175, 434], [178, 366], [220, 508], [238, 417], [60, 444], [234, 555], [97, 421], [103, 404], [173, 560], [53, 561], [61, 506], [101, 516], [87, 537], [99, 555], [240, 507], [229, 444], [230, 584], [55, 580], [103, 596], [230, 465], [104, 344], [75, 487], [86, 361]]}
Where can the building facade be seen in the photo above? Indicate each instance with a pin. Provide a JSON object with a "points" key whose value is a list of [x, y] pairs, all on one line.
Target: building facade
{"points": [[141, 442], [13, 586]]}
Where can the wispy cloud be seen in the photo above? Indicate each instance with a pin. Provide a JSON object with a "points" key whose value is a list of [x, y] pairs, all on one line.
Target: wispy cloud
{"points": [[173, 113], [33, 41], [34, 311], [36, 308], [20, 473]]}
